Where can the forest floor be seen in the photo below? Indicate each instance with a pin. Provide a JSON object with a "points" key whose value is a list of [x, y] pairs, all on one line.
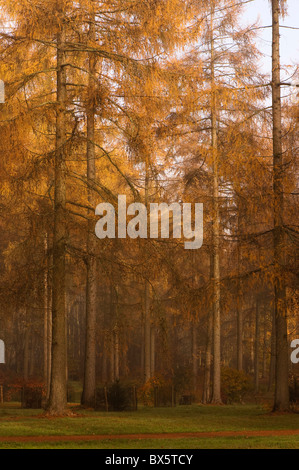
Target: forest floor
{"points": [[182, 427]]}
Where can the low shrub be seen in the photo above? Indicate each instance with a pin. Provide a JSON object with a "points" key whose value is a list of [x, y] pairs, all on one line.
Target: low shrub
{"points": [[116, 397], [234, 384], [146, 393], [33, 394]]}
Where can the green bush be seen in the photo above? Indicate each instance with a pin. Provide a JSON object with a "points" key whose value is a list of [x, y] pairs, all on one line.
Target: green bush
{"points": [[182, 379], [235, 384], [116, 397]]}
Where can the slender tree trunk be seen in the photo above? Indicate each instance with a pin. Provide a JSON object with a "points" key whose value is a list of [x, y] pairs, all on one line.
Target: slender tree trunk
{"points": [[208, 361], [66, 341], [216, 398], [147, 333], [251, 340], [257, 347], [142, 346], [281, 401], [265, 348], [147, 315], [91, 279], [104, 362], [239, 338], [124, 357], [116, 353], [58, 389], [239, 311], [32, 356], [117, 335], [153, 351], [49, 358], [46, 315], [194, 354], [112, 359], [273, 353], [26, 353]]}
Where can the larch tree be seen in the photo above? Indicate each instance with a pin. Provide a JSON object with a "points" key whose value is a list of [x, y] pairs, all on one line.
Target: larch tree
{"points": [[124, 57], [229, 59], [281, 402], [58, 385], [91, 262], [215, 271], [161, 101]]}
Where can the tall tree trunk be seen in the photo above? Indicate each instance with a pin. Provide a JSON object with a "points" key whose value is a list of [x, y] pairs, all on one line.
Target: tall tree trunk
{"points": [[46, 314], [216, 398], [104, 362], [153, 351], [251, 341], [112, 359], [194, 354], [281, 401], [91, 278], [257, 347], [26, 353], [58, 388], [117, 334], [239, 338], [239, 309], [147, 333], [116, 353], [49, 319], [208, 356], [147, 315], [32, 356], [142, 345], [265, 347], [124, 357], [273, 353]]}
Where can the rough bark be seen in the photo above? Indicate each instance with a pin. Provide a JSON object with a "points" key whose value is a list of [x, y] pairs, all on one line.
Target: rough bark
{"points": [[91, 277], [147, 333], [208, 355], [239, 311], [32, 350], [46, 315], [265, 348], [239, 338], [281, 401], [257, 347], [116, 353], [47, 322], [216, 397], [273, 353], [147, 314], [194, 355], [58, 387], [104, 362], [153, 351], [26, 353], [112, 360], [49, 319]]}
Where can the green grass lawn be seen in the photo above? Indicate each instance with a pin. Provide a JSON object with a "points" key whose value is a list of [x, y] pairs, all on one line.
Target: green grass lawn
{"points": [[196, 418], [215, 443]]}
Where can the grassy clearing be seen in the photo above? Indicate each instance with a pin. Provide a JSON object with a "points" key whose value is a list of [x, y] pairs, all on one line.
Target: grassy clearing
{"points": [[215, 443], [17, 422]]}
